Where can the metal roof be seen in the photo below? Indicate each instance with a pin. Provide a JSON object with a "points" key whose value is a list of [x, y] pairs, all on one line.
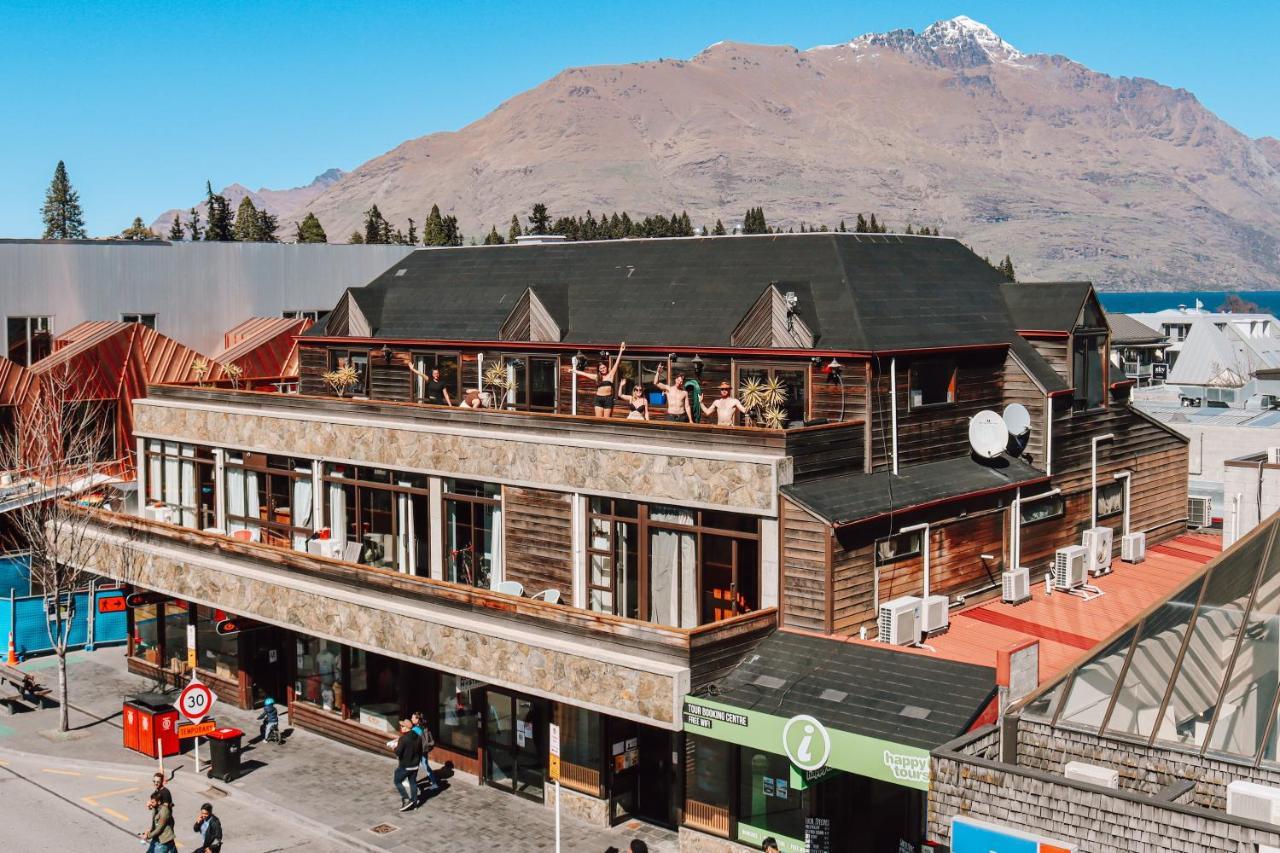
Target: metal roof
{"points": [[1045, 306], [1126, 330]]}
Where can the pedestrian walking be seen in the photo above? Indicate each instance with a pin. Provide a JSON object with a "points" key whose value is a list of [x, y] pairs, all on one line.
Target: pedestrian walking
{"points": [[637, 846], [160, 792], [209, 828], [408, 750], [428, 743], [770, 845], [160, 835]]}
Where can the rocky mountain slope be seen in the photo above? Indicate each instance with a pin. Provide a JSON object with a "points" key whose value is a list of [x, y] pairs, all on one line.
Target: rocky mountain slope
{"points": [[286, 202], [1074, 173]]}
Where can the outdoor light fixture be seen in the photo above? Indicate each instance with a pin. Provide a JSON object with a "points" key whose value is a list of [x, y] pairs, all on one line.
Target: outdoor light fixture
{"points": [[579, 359], [697, 364], [833, 370]]}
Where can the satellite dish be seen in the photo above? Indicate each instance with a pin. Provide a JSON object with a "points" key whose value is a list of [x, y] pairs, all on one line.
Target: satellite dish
{"points": [[987, 434], [1017, 419]]}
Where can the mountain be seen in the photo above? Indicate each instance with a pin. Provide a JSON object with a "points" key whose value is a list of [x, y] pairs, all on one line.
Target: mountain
{"points": [[283, 203], [1074, 173]]}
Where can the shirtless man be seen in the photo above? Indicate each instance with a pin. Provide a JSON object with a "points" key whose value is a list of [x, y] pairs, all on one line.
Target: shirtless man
{"points": [[678, 408], [726, 407]]}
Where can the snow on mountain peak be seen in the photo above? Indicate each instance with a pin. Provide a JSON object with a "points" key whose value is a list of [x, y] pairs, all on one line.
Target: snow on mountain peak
{"points": [[956, 32], [959, 42]]}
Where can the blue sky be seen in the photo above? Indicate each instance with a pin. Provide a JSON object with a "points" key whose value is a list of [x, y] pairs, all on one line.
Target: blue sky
{"points": [[144, 101]]}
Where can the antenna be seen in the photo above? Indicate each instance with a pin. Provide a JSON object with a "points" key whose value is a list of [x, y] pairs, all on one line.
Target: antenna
{"points": [[1017, 419], [987, 434]]}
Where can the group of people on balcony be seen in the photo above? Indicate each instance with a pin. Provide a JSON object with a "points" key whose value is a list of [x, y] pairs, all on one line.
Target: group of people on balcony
{"points": [[609, 385]]}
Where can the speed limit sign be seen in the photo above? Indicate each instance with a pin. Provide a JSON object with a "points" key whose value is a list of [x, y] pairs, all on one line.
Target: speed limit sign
{"points": [[195, 701]]}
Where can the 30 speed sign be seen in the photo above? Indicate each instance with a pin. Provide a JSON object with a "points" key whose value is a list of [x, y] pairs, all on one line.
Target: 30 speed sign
{"points": [[195, 701]]}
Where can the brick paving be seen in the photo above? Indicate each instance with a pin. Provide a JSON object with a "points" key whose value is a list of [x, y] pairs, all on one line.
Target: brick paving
{"points": [[318, 781]]}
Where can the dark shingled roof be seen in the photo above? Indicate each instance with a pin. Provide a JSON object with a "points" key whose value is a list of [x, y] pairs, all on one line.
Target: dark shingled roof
{"points": [[855, 496], [863, 292], [1126, 330], [910, 699], [1050, 306]]}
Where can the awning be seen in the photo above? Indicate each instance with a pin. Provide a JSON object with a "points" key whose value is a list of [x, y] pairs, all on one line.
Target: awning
{"points": [[851, 497], [828, 704]]}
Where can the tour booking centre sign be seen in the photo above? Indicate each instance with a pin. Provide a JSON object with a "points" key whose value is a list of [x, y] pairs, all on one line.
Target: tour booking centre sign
{"points": [[810, 745]]}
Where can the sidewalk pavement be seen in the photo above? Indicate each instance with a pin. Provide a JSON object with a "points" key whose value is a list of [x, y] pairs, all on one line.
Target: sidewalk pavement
{"points": [[344, 793]]}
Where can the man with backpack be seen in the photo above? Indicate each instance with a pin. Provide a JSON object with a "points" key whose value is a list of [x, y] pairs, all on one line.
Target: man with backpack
{"points": [[428, 744]]}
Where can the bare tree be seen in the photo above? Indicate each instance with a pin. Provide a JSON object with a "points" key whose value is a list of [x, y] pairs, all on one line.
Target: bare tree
{"points": [[62, 448]]}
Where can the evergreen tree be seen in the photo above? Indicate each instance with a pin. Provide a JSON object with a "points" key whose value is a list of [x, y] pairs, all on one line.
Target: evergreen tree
{"points": [[376, 228], [860, 227], [718, 231], [1006, 268], [754, 222], [311, 231], [909, 231], [175, 230], [63, 219], [268, 224], [452, 236], [193, 224], [433, 228], [873, 227], [493, 238], [412, 237], [220, 227], [539, 219], [842, 229], [514, 231], [139, 231], [356, 237], [245, 228]]}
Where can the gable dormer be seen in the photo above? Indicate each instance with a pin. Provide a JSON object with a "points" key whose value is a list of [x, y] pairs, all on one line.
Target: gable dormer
{"points": [[773, 322], [530, 320], [347, 320]]}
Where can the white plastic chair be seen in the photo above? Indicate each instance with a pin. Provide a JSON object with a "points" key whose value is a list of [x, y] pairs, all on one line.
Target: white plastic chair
{"points": [[550, 596], [510, 588]]}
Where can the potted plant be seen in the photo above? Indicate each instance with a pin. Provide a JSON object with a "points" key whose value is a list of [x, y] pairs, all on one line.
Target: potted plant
{"points": [[200, 368], [763, 401], [342, 379], [502, 381], [234, 373]]}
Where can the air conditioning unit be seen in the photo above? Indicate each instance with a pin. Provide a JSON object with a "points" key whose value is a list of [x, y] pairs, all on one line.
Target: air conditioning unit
{"points": [[1133, 548], [331, 548], [158, 513], [1093, 774], [1098, 540], [899, 621], [1015, 585], [1070, 567], [1253, 801], [936, 613], [1199, 512]]}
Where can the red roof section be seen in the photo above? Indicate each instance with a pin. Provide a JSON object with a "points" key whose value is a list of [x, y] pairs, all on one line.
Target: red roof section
{"points": [[263, 347], [1067, 626], [15, 382]]}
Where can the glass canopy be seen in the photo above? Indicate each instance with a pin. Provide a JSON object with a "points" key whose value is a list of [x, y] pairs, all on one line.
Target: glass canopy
{"points": [[1199, 672]]}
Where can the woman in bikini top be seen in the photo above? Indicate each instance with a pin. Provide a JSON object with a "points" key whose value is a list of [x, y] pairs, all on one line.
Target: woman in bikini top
{"points": [[605, 377]]}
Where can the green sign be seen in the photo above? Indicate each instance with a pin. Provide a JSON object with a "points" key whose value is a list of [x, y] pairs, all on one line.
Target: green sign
{"points": [[812, 748]]}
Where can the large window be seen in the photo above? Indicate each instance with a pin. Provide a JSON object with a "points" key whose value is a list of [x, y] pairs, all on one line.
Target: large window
{"points": [[175, 635], [671, 565], [381, 515], [214, 652], [471, 530], [447, 364], [146, 633], [708, 784], [1088, 371], [581, 748], [459, 717], [30, 339], [933, 382], [793, 380], [536, 383], [270, 496], [311, 314], [359, 359], [148, 320], [319, 673], [181, 477], [373, 684], [1110, 499], [768, 804]]}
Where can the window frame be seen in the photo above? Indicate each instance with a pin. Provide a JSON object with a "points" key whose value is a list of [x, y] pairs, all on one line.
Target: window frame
{"points": [[351, 354], [1080, 404], [419, 359], [270, 531], [771, 369], [952, 386], [521, 402], [914, 551], [311, 315], [1057, 501], [474, 504], [45, 327], [1118, 485], [418, 545], [155, 450], [139, 317]]}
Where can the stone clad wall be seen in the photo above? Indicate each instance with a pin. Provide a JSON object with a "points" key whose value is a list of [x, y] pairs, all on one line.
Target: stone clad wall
{"points": [[349, 616], [1096, 819], [650, 475]]}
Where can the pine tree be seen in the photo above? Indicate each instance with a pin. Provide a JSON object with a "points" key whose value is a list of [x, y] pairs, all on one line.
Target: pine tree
{"points": [[193, 224], [138, 231], [268, 224], [452, 236], [842, 229], [539, 219], [220, 227], [493, 238], [311, 231], [433, 228], [909, 231], [63, 218], [1006, 268], [376, 229], [356, 237], [411, 238], [514, 231], [860, 227], [175, 230], [718, 231], [873, 227], [245, 228]]}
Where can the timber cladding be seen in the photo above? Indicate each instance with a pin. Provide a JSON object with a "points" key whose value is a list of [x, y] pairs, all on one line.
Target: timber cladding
{"points": [[1020, 388], [538, 545], [805, 560]]}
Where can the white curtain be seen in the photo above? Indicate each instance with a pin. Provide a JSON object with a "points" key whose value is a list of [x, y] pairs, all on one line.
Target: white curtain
{"points": [[301, 511], [337, 512], [253, 507], [155, 483], [235, 497], [622, 584], [172, 490], [672, 567], [189, 493]]}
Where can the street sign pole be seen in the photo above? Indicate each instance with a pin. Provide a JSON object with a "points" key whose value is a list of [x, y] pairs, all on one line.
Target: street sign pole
{"points": [[194, 702], [553, 731]]}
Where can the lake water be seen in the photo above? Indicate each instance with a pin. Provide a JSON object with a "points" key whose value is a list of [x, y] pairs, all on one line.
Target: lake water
{"points": [[1149, 301]]}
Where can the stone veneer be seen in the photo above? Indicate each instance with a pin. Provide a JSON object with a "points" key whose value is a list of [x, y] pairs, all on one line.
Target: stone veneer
{"points": [[674, 473], [275, 596], [584, 807], [966, 781], [693, 841]]}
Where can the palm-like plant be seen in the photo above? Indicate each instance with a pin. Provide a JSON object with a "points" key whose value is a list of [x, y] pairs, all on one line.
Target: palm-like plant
{"points": [[763, 399], [341, 379], [773, 418], [751, 393], [501, 380]]}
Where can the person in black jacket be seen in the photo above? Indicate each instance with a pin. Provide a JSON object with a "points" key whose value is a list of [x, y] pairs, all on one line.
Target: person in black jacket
{"points": [[209, 828], [408, 749]]}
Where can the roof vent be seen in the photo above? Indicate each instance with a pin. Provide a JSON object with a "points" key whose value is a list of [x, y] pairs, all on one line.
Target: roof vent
{"points": [[830, 695], [401, 271], [770, 682], [535, 239], [914, 712]]}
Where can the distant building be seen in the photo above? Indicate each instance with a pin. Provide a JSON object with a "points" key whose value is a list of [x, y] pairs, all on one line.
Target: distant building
{"points": [[1138, 351], [191, 292]]}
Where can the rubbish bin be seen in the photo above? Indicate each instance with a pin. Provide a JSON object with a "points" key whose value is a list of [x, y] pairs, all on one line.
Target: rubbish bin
{"points": [[150, 721], [224, 754]]}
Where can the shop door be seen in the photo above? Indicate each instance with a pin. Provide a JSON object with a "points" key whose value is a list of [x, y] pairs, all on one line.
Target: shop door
{"points": [[266, 653], [515, 753], [656, 784]]}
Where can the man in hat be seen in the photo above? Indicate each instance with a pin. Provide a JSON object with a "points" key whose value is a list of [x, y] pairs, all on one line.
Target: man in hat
{"points": [[725, 408]]}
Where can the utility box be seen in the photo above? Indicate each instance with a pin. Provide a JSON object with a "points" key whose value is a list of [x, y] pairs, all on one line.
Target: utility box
{"points": [[151, 725]]}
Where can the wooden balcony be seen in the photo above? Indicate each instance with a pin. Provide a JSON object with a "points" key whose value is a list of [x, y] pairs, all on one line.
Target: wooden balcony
{"points": [[614, 665]]}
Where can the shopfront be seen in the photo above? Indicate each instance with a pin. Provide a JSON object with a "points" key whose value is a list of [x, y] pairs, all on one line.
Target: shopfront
{"points": [[824, 746]]}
